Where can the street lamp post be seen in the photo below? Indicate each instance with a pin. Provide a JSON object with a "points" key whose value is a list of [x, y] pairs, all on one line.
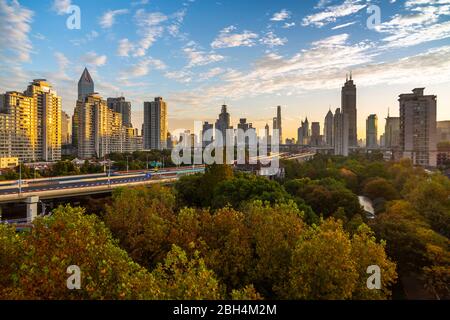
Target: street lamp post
{"points": [[127, 164], [20, 178]]}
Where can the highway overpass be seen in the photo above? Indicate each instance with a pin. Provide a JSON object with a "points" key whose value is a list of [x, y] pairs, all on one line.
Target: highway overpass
{"points": [[32, 191]]}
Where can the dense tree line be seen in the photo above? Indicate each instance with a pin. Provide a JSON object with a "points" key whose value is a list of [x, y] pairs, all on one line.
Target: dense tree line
{"points": [[226, 235]]}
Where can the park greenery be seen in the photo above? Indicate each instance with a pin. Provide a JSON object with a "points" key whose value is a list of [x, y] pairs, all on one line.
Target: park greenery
{"points": [[231, 235]]}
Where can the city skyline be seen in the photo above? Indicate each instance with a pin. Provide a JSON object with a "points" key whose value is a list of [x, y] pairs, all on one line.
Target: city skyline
{"points": [[291, 54]]}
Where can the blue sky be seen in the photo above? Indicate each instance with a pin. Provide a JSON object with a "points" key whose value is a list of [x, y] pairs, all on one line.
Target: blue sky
{"points": [[253, 55]]}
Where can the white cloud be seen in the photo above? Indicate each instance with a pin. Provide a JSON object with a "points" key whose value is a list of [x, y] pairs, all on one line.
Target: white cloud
{"points": [[228, 39], [281, 16], [108, 18], [60, 6], [345, 25], [212, 73], [93, 59], [142, 68], [288, 25], [15, 26], [183, 76], [200, 58], [125, 47], [272, 40], [87, 38], [421, 24], [332, 13]]}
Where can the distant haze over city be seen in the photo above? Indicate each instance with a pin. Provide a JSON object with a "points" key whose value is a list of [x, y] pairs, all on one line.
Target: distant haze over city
{"points": [[201, 54]]}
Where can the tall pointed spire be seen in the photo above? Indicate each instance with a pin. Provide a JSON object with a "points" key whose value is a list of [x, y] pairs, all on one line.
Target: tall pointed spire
{"points": [[85, 85]]}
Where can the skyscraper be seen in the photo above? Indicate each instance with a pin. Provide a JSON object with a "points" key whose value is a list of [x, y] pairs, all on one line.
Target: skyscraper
{"points": [[65, 129], [340, 133], [206, 126], [372, 131], [48, 106], [85, 85], [328, 129], [279, 125], [85, 88], [99, 128], [418, 127], [223, 123], [303, 133], [123, 107], [316, 137], [155, 124], [392, 132], [348, 104], [18, 127]]}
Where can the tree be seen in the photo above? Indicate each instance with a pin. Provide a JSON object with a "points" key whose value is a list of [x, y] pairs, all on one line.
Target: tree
{"points": [[66, 238], [380, 188], [322, 266], [180, 278], [367, 252], [141, 219], [188, 191], [275, 232], [247, 188]]}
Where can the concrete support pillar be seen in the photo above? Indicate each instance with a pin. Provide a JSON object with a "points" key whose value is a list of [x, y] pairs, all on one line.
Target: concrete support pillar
{"points": [[32, 207]]}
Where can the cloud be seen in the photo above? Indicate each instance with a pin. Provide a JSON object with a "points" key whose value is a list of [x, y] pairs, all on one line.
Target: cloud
{"points": [[228, 39], [183, 76], [281, 16], [142, 68], [212, 73], [125, 47], [332, 13], [272, 40], [288, 25], [345, 25], [93, 59], [108, 18], [200, 58], [87, 38], [60, 6], [419, 25], [15, 26]]}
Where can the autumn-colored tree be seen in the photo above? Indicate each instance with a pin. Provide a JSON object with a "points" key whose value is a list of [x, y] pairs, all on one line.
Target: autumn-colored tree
{"points": [[380, 188], [322, 266], [274, 233], [367, 252], [141, 219], [181, 278], [69, 237]]}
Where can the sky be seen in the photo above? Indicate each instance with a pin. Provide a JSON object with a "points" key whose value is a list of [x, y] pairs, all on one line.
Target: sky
{"points": [[250, 55]]}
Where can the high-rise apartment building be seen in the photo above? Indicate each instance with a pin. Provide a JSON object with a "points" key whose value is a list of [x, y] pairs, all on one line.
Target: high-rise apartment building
{"points": [[348, 105], [328, 129], [392, 132], [123, 107], [418, 127], [155, 124], [341, 133], [99, 128], [18, 127], [48, 106], [30, 123], [372, 131]]}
